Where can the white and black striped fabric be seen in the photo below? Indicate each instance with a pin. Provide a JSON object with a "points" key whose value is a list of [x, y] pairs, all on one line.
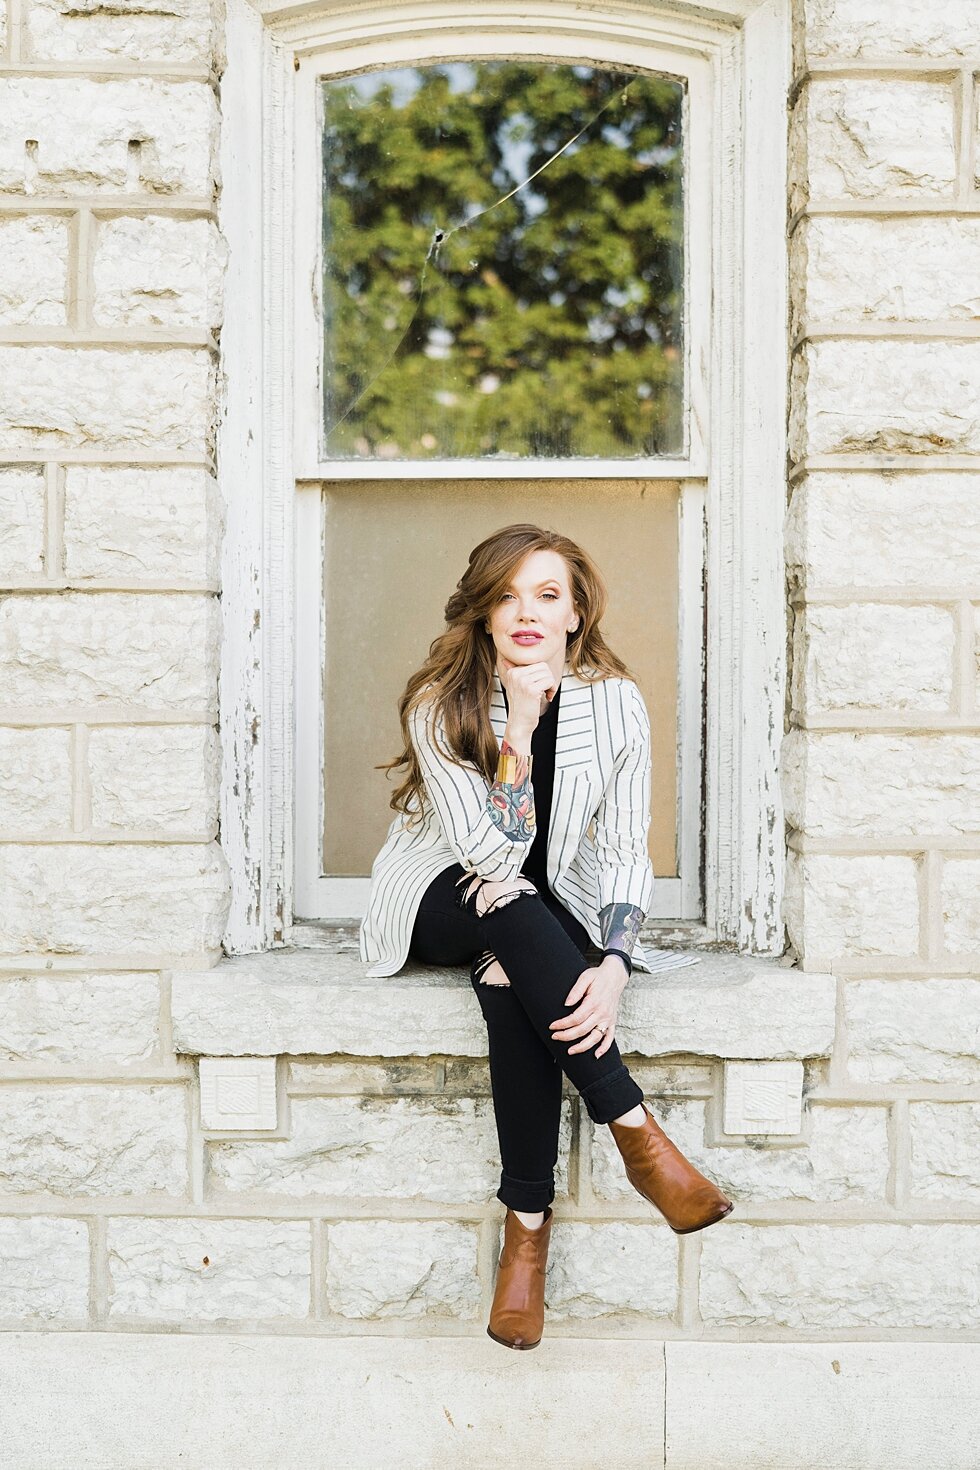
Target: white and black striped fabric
{"points": [[597, 838]]}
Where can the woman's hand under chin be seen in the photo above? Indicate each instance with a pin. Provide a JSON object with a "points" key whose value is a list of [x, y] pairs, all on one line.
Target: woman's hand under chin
{"points": [[595, 994]]}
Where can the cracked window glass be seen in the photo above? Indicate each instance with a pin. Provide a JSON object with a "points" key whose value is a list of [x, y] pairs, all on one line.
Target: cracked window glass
{"points": [[502, 263]]}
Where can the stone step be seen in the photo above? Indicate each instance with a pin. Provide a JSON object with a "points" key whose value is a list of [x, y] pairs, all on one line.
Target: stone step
{"points": [[162, 1401]]}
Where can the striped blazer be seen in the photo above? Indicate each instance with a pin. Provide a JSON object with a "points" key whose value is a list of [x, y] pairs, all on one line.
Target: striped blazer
{"points": [[597, 836]]}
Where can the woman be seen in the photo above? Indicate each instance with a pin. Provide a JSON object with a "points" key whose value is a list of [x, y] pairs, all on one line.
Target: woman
{"points": [[519, 879]]}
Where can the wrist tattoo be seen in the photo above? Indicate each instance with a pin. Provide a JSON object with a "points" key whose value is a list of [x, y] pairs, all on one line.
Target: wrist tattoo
{"points": [[511, 803], [620, 926]]}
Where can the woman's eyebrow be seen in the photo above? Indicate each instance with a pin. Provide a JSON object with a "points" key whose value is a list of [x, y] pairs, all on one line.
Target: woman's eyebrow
{"points": [[548, 582]]}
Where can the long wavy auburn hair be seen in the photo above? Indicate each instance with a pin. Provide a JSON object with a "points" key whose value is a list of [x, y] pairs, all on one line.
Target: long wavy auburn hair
{"points": [[458, 674]]}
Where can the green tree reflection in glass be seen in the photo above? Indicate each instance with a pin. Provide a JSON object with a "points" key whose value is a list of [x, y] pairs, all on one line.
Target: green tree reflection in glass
{"points": [[466, 316]]}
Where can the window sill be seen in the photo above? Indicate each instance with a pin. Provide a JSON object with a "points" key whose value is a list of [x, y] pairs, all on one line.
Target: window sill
{"points": [[315, 1000]]}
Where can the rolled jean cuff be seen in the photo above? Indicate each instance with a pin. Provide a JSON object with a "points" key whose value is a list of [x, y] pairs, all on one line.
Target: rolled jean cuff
{"points": [[612, 1096], [529, 1195]]}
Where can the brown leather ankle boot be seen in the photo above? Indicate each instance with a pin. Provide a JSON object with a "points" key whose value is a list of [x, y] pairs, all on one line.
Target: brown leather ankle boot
{"points": [[658, 1170], [517, 1313]]}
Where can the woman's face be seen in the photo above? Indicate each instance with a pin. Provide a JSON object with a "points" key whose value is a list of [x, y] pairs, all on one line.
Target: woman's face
{"points": [[534, 616]]}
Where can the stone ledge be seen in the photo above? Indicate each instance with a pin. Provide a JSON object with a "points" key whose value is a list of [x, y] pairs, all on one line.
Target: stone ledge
{"points": [[319, 1002]]}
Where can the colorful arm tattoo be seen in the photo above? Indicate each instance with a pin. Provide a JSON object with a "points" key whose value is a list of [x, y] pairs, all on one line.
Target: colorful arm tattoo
{"points": [[511, 803], [620, 926]]}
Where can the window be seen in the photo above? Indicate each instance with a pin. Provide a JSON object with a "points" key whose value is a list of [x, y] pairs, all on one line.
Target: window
{"points": [[503, 285], [675, 477]]}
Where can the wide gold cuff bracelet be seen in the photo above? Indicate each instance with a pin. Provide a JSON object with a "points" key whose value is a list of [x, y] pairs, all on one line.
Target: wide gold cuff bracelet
{"points": [[507, 768]]}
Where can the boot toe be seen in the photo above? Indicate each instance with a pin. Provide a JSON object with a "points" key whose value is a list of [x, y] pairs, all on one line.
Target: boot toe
{"points": [[511, 1336]]}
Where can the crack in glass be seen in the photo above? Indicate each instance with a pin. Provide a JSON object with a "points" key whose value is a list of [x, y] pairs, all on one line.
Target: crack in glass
{"points": [[553, 329]]}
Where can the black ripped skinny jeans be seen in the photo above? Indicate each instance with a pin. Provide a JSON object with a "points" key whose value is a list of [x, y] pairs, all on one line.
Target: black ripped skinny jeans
{"points": [[542, 948]]}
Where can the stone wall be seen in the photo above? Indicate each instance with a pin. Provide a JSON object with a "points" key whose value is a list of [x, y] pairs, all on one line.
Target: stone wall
{"points": [[881, 760], [370, 1208], [881, 763]]}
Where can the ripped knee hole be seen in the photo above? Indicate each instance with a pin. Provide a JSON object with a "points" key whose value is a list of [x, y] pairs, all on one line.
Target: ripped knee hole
{"points": [[486, 906], [488, 970], [494, 975]]}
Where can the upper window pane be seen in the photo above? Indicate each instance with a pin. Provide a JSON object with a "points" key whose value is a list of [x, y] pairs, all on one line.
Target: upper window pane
{"points": [[468, 313]]}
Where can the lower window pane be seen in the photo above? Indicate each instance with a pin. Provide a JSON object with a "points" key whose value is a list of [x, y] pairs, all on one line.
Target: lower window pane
{"points": [[393, 554]]}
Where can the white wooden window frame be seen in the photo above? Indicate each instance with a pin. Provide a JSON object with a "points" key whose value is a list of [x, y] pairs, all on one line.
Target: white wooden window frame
{"points": [[320, 896], [738, 58]]}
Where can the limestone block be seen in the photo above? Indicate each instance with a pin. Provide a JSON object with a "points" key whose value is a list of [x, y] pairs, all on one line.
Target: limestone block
{"points": [[83, 129], [131, 521], [440, 1149], [58, 398], [872, 1276], [187, 1270], [155, 778], [961, 905], [159, 271], [132, 899], [35, 779], [845, 1157], [149, 650], [402, 1268], [837, 907], [133, 30], [86, 1140], [943, 1162], [303, 1003], [359, 1399], [33, 270], [362, 1078], [871, 656], [21, 521], [891, 270], [837, 29], [672, 1079], [45, 1269], [884, 396], [913, 1030], [850, 783], [470, 1077], [885, 529], [92, 1020], [610, 1270], [867, 138]]}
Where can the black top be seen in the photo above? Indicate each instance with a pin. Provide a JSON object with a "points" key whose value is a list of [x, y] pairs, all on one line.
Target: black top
{"points": [[543, 782], [543, 742]]}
